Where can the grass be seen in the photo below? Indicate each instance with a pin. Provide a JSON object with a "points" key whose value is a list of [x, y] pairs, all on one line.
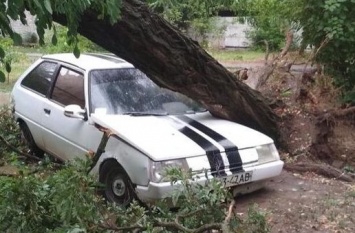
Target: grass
{"points": [[236, 55], [30, 49], [18, 66]]}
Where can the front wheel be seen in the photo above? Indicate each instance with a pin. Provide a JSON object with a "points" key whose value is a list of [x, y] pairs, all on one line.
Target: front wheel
{"points": [[118, 186]]}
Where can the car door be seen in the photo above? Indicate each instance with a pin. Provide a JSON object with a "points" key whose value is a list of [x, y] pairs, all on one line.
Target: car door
{"points": [[66, 137], [30, 94]]}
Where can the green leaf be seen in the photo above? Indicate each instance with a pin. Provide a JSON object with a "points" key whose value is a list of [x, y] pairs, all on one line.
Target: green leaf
{"points": [[2, 77], [2, 53], [47, 5], [16, 38], [76, 51], [8, 67], [54, 39]]}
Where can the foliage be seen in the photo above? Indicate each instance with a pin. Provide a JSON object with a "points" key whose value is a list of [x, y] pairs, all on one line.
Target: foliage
{"points": [[9, 131], [40, 203], [329, 25], [72, 10], [59, 43], [7, 55], [43, 198], [271, 19], [190, 16]]}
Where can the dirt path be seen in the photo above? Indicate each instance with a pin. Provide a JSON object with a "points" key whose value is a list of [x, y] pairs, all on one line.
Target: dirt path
{"points": [[4, 98], [305, 203]]}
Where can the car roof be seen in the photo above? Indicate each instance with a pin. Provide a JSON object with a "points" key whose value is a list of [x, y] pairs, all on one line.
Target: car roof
{"points": [[90, 61]]}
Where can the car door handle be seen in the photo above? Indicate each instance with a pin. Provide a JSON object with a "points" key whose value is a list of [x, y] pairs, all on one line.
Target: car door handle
{"points": [[47, 111]]}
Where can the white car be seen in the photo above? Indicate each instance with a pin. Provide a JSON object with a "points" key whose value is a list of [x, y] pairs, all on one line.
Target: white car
{"points": [[61, 102]]}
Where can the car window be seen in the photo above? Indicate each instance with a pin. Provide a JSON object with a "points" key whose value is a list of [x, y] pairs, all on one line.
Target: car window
{"points": [[40, 78], [69, 88]]}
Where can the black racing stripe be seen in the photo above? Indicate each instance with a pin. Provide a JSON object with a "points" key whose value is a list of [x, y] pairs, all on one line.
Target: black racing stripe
{"points": [[212, 152], [108, 58], [235, 161]]}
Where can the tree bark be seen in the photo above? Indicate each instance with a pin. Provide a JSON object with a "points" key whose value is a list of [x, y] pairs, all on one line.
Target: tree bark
{"points": [[174, 61]]}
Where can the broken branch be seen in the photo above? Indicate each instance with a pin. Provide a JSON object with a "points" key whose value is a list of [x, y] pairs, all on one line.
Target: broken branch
{"points": [[11, 147], [322, 169]]}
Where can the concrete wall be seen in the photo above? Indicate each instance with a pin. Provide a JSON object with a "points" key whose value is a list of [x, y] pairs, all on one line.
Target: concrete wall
{"points": [[27, 32], [228, 32], [235, 33]]}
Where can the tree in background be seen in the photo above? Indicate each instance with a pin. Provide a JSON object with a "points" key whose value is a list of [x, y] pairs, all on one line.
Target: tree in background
{"points": [[195, 18], [271, 20], [329, 26]]}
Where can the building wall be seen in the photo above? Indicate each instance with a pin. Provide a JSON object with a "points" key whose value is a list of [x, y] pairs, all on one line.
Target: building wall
{"points": [[28, 32], [227, 32], [235, 33]]}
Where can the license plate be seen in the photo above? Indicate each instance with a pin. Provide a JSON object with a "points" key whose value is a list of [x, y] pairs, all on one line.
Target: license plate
{"points": [[236, 179]]}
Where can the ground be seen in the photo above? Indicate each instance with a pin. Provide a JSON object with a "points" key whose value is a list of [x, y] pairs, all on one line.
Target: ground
{"points": [[4, 98], [303, 202], [307, 202]]}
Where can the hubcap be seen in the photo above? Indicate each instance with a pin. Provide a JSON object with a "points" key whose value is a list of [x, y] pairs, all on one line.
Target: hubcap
{"points": [[118, 187]]}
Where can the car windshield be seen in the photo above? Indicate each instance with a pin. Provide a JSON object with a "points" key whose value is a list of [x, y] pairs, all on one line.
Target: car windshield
{"points": [[129, 91]]}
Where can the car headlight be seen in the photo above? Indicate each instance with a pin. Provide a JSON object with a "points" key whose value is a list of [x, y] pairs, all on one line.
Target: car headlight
{"points": [[157, 168], [267, 153]]}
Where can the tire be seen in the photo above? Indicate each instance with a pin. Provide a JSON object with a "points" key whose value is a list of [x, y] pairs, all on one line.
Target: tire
{"points": [[118, 187], [29, 141]]}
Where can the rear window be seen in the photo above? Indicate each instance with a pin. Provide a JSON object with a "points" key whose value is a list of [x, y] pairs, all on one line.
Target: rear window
{"points": [[39, 80]]}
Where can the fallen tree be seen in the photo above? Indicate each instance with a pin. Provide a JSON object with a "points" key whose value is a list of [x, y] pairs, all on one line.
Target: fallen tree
{"points": [[174, 61], [129, 29]]}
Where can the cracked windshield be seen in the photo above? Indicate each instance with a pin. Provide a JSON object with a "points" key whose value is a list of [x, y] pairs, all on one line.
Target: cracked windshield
{"points": [[129, 91]]}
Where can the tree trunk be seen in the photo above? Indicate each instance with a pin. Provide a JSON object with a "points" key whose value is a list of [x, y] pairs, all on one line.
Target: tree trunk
{"points": [[174, 61]]}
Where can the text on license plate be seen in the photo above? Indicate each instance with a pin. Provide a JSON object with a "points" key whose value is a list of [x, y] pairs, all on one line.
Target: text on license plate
{"points": [[236, 179]]}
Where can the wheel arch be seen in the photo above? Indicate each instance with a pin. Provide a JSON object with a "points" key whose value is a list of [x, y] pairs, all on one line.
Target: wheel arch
{"points": [[110, 160], [20, 121], [31, 140], [132, 161]]}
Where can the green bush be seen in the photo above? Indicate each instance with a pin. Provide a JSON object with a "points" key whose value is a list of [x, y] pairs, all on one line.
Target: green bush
{"points": [[59, 43], [329, 26], [273, 35], [48, 202], [9, 131], [66, 201], [270, 19]]}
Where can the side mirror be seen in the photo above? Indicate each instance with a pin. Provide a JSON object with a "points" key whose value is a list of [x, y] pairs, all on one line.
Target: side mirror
{"points": [[75, 111]]}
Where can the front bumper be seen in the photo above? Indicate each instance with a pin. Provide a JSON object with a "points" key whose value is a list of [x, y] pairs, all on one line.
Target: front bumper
{"points": [[156, 191]]}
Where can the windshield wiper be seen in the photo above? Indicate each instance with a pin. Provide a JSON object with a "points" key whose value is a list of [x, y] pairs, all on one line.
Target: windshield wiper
{"points": [[146, 113], [195, 111]]}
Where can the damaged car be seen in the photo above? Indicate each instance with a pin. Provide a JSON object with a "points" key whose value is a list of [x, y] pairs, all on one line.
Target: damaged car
{"points": [[66, 106]]}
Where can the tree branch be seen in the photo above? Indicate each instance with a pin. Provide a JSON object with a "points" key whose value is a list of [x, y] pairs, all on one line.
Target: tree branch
{"points": [[230, 212], [11, 147], [321, 169], [315, 52], [267, 52], [289, 40]]}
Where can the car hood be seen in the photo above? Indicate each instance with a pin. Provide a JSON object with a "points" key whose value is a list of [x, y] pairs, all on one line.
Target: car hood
{"points": [[172, 137]]}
